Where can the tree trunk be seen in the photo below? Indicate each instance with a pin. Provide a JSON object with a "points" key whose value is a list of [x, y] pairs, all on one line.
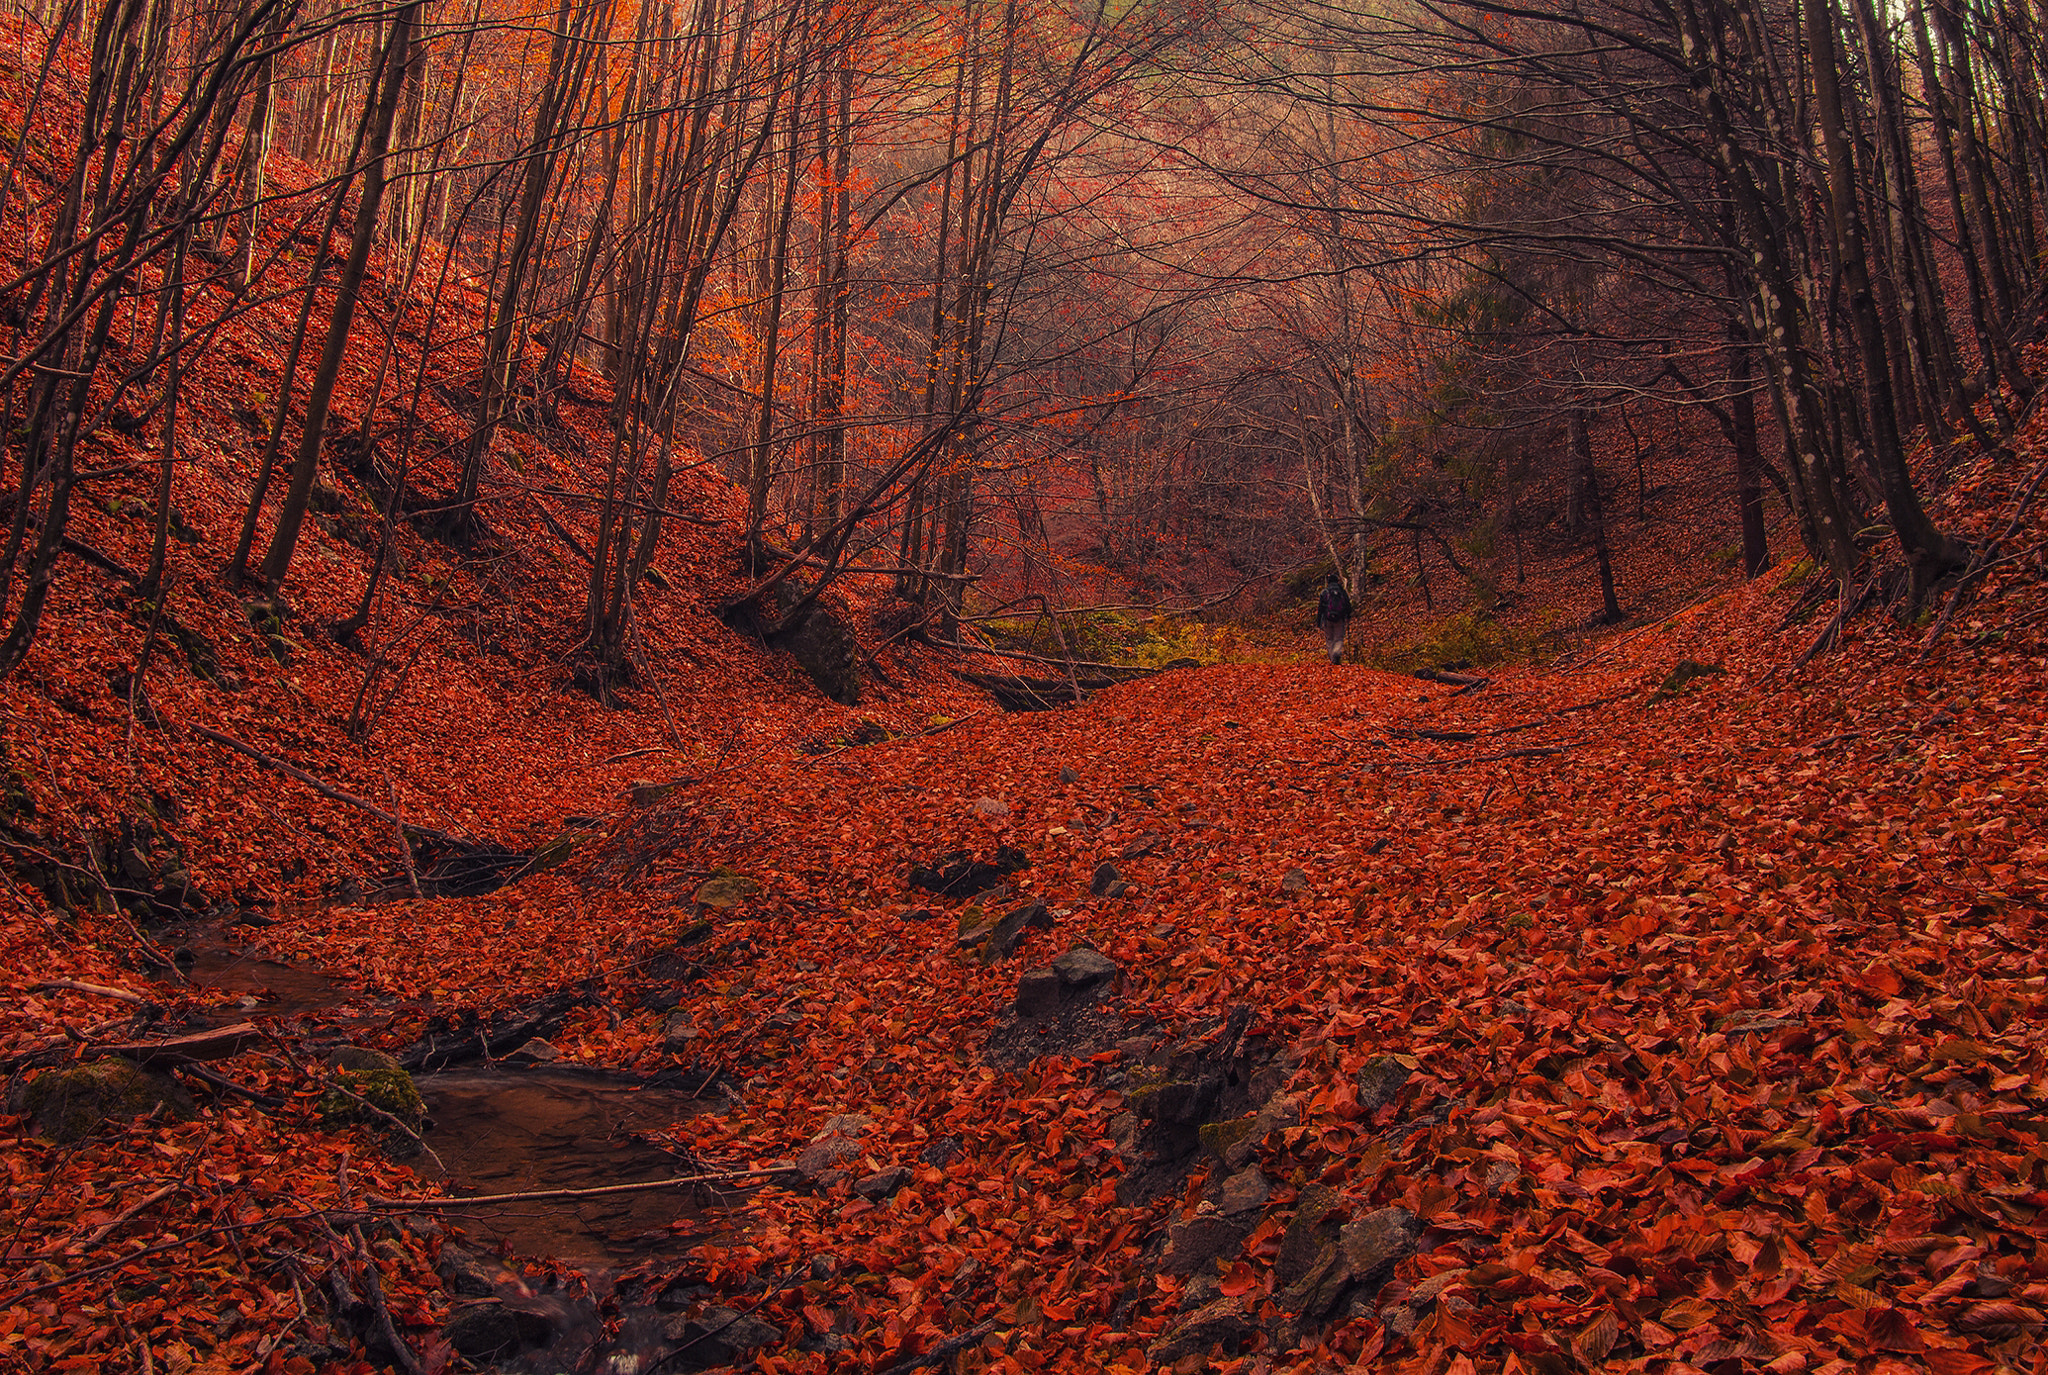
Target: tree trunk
{"points": [[388, 85]]}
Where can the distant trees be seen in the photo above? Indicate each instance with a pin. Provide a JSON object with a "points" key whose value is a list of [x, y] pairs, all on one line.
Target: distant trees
{"points": [[1695, 198], [1010, 280]]}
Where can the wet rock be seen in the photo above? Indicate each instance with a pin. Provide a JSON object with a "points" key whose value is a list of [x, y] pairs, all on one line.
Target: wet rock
{"points": [[1318, 1216], [1244, 1192], [957, 874], [1202, 1238], [882, 1184], [1294, 881], [1224, 1324], [678, 1032], [491, 1328], [1038, 993], [1377, 1242], [838, 1141], [942, 1152], [1081, 969], [1380, 1080], [717, 1336], [67, 1105], [1107, 882], [467, 1274]]}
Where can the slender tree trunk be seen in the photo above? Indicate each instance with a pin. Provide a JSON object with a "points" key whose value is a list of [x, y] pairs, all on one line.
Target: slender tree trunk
{"points": [[386, 87], [1596, 516]]}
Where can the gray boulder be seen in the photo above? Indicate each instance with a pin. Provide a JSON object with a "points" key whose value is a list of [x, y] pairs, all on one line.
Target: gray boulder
{"points": [[1081, 969], [1380, 1081], [882, 1184], [717, 1336]]}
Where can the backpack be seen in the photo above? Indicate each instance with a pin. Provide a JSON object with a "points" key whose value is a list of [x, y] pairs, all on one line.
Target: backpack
{"points": [[1335, 605]]}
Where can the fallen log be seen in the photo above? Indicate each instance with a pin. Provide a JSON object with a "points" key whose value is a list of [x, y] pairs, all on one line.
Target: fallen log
{"points": [[408, 1205], [1463, 680], [217, 1044], [97, 990], [539, 1019], [1531, 752]]}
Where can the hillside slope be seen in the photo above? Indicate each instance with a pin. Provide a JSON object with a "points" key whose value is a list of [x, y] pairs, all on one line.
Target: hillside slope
{"points": [[1680, 1030], [1552, 1021]]}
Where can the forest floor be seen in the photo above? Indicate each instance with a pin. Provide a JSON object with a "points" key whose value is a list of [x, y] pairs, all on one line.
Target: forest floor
{"points": [[1554, 1021]]}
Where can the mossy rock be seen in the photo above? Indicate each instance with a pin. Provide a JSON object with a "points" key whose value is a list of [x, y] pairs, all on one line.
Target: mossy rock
{"points": [[1218, 1137], [727, 890], [361, 1059], [15, 798], [388, 1090], [555, 852], [68, 1105], [1681, 677]]}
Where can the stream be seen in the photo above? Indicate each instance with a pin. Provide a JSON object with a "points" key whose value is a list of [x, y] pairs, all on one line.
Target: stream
{"points": [[498, 1129]]}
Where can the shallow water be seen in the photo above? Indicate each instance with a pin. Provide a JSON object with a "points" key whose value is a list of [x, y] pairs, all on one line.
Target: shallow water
{"points": [[560, 1127], [501, 1129]]}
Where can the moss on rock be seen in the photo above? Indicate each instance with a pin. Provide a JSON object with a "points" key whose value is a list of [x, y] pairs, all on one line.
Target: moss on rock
{"points": [[388, 1090], [1218, 1137], [68, 1105]]}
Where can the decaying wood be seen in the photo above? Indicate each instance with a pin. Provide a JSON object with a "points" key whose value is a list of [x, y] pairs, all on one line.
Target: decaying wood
{"points": [[408, 1205], [97, 990], [217, 1044], [1463, 680]]}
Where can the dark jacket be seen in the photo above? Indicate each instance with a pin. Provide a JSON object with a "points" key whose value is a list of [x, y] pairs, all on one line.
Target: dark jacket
{"points": [[1334, 607]]}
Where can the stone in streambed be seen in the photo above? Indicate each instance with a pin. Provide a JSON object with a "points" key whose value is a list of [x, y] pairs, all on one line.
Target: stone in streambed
{"points": [[882, 1184], [1380, 1080], [1082, 968], [68, 1105], [718, 1336]]}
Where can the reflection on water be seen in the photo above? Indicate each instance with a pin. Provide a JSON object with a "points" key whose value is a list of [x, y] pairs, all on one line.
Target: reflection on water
{"points": [[520, 1130]]}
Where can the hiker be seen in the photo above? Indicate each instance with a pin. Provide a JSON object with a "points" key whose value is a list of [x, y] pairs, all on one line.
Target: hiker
{"points": [[1333, 616]]}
